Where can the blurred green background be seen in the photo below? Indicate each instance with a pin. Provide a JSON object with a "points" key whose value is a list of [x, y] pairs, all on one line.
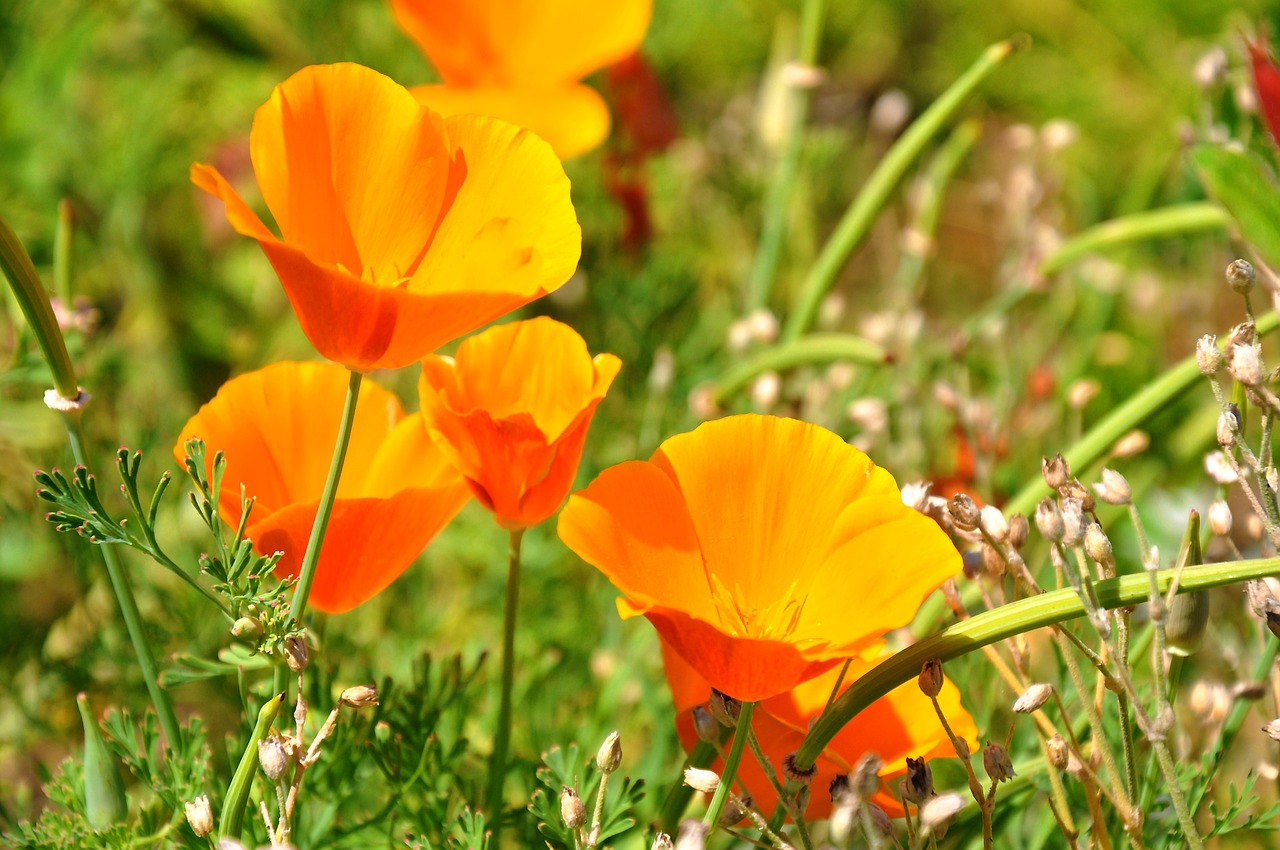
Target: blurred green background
{"points": [[107, 103]]}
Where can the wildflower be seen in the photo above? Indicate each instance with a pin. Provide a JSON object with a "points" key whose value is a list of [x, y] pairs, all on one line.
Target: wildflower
{"points": [[277, 427], [764, 550], [400, 230], [511, 413], [520, 60], [896, 726]]}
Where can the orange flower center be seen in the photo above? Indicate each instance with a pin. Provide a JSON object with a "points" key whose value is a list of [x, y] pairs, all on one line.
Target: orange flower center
{"points": [[776, 621]]}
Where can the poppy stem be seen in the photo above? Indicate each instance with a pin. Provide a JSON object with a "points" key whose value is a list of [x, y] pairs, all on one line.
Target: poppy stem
{"points": [[721, 796], [502, 735], [307, 574]]}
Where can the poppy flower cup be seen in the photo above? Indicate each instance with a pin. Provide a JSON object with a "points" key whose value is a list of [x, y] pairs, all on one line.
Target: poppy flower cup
{"points": [[277, 427], [511, 412], [521, 60], [765, 551], [899, 725], [400, 230]]}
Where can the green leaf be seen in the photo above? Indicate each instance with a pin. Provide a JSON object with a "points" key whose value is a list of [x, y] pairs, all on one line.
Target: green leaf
{"points": [[1249, 193]]}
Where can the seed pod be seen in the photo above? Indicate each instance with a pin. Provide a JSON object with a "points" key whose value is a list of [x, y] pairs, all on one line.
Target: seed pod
{"points": [[1273, 730], [1033, 698], [1113, 488], [698, 779], [930, 680], [1220, 518], [964, 512], [1019, 528], [572, 810], [1059, 754], [272, 757], [199, 815], [1072, 523], [1055, 470], [918, 784], [705, 725], [104, 799], [996, 761], [993, 523], [360, 696], [1098, 546], [725, 709], [1049, 520], [1208, 355], [1241, 277], [938, 812]]}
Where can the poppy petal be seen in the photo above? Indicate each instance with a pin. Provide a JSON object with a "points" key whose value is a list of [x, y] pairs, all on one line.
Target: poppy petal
{"points": [[354, 170], [525, 42], [571, 117], [368, 544], [511, 229]]}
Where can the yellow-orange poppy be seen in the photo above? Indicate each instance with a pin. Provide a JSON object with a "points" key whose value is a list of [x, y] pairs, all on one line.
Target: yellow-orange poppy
{"points": [[511, 411], [277, 427], [894, 727], [399, 230], [764, 550], [520, 60]]}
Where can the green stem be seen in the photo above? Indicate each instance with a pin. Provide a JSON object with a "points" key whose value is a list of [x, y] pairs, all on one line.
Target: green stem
{"points": [[237, 798], [782, 187], [721, 796], [62, 253], [502, 735], [1152, 399], [35, 306], [1168, 221], [858, 219], [1025, 615], [129, 609], [307, 573], [813, 349]]}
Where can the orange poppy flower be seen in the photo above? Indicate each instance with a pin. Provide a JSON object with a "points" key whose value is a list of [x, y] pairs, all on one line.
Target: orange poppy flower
{"points": [[277, 427], [764, 550], [520, 60], [400, 230], [511, 411], [894, 727]]}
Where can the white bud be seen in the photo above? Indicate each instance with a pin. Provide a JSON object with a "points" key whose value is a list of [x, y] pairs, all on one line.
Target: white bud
{"points": [[200, 815], [1220, 469], [1059, 134], [870, 414], [765, 390], [738, 338], [937, 812], [1113, 488], [1072, 523], [1220, 517], [1245, 363], [763, 325], [993, 523], [1211, 68], [702, 402], [1132, 444], [1033, 698], [1097, 545], [890, 112], [916, 495], [1081, 392], [698, 779], [1208, 355]]}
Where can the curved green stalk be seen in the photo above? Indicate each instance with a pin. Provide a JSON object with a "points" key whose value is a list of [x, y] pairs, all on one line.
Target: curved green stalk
{"points": [[1025, 615], [307, 573], [1168, 221], [861, 215], [233, 805], [813, 349], [35, 306], [1101, 437]]}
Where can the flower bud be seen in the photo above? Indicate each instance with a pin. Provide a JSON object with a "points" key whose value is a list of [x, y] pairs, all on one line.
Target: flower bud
{"points": [[662, 841], [1073, 489], [1056, 471], [917, 786], [1220, 517], [609, 756], [247, 629], [993, 523], [1245, 333], [1245, 364], [1049, 520], [930, 680], [272, 757], [296, 653], [360, 696], [692, 835], [1072, 523], [996, 761], [1081, 392], [1098, 546], [1113, 488], [865, 779], [1219, 468], [724, 708], [763, 325], [1241, 276], [200, 815], [705, 725], [938, 812], [1186, 622], [1059, 753], [1273, 730], [735, 810], [1019, 528], [1131, 444], [698, 779], [1033, 698], [1208, 355], [572, 809], [964, 511]]}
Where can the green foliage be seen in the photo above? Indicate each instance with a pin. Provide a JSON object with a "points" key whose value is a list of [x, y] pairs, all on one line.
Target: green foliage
{"points": [[1248, 190]]}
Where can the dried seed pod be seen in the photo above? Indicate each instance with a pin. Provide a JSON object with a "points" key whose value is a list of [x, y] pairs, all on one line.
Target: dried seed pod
{"points": [[1019, 528], [1098, 546], [917, 786], [995, 759], [1208, 355], [930, 679], [964, 512], [1056, 471], [199, 815], [572, 810], [1072, 523], [938, 812], [1220, 518], [1059, 752], [698, 779], [1033, 698], [724, 708], [1113, 488], [360, 696], [1049, 520], [993, 523], [705, 725], [272, 757], [1241, 277]]}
